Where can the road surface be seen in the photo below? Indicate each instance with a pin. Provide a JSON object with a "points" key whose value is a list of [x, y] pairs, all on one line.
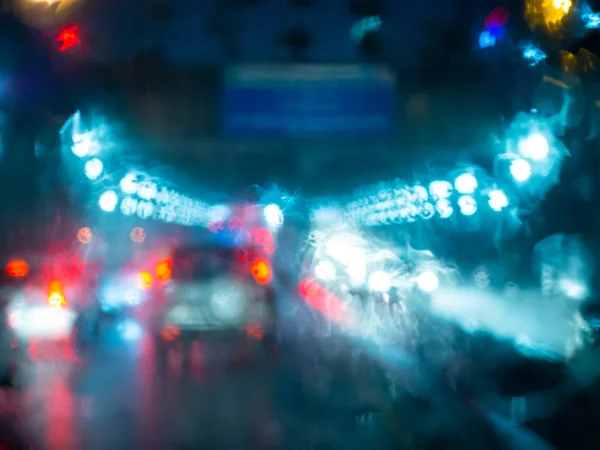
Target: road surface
{"points": [[119, 400]]}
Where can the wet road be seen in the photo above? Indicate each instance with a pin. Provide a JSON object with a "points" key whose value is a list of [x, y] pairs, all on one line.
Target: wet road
{"points": [[119, 399]]}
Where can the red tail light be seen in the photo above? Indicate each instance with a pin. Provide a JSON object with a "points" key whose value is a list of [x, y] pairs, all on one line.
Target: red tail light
{"points": [[163, 271], [323, 301], [261, 271], [170, 333], [255, 331], [17, 268]]}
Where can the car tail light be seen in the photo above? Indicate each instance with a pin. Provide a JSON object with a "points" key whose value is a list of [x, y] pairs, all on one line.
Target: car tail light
{"points": [[255, 331], [170, 333], [164, 271], [261, 271], [56, 299], [17, 268]]}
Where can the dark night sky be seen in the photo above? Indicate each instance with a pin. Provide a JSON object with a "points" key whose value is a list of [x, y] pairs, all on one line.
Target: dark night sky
{"points": [[189, 33]]}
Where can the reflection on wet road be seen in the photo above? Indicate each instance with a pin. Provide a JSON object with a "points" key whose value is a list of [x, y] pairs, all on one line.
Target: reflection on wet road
{"points": [[120, 400]]}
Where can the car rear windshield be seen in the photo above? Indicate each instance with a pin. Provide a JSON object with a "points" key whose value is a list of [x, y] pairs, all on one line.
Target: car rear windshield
{"points": [[201, 263]]}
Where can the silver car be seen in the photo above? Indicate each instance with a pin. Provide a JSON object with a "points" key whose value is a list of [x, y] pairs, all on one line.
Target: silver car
{"points": [[215, 294]]}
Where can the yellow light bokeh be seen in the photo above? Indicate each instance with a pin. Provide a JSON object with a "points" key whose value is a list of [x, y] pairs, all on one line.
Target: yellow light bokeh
{"points": [[563, 5], [144, 280], [46, 13], [47, 2], [548, 14], [567, 61]]}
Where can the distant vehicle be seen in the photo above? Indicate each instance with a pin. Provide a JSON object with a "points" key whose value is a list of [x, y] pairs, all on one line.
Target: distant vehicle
{"points": [[216, 293], [41, 295]]}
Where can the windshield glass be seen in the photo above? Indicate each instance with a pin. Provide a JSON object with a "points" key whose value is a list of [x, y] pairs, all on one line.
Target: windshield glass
{"points": [[257, 224]]}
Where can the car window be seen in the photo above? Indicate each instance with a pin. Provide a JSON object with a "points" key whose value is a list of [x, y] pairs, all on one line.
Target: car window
{"points": [[202, 263]]}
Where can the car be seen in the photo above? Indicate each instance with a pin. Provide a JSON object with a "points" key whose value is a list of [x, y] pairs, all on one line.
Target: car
{"points": [[39, 297], [215, 294]]}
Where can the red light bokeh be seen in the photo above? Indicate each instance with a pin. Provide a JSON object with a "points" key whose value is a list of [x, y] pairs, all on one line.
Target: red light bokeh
{"points": [[68, 38], [497, 18], [17, 268], [261, 271]]}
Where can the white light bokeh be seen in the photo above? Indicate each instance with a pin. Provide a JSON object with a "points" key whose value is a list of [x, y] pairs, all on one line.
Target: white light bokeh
{"points": [[93, 168], [145, 209], [108, 201], [81, 147], [440, 189], [444, 208], [129, 206], [130, 330], [345, 248], [273, 215], [357, 271], [129, 183], [467, 205], [87, 136], [427, 211], [420, 193], [465, 183], [428, 281], [534, 147], [497, 200], [146, 190], [325, 270], [380, 281], [573, 289], [520, 170]]}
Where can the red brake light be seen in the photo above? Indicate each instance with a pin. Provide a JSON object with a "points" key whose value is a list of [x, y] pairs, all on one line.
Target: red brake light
{"points": [[163, 271], [255, 331], [170, 332], [17, 268], [261, 271]]}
